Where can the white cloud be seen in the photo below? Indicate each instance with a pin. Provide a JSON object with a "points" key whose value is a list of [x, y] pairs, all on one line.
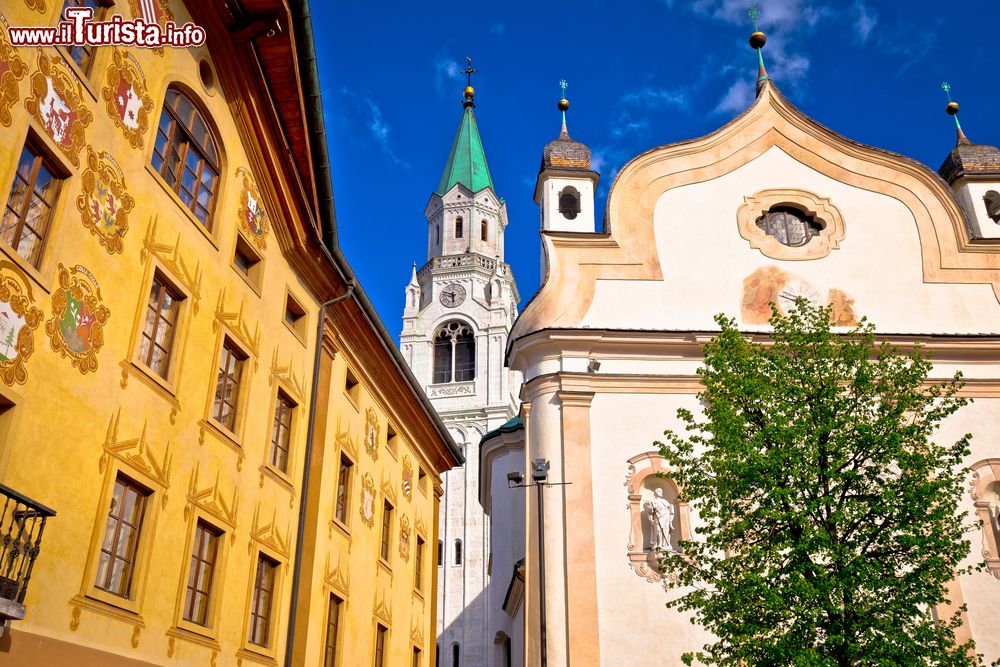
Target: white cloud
{"points": [[376, 124], [656, 98], [498, 28], [774, 13], [598, 160], [739, 96], [865, 20], [444, 68]]}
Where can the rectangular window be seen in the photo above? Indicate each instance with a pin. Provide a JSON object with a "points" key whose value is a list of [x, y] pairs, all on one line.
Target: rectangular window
{"points": [[386, 528], [158, 331], [227, 386], [343, 488], [204, 556], [260, 606], [295, 316], [416, 657], [482, 230], [121, 538], [83, 55], [281, 435], [332, 631], [351, 386], [380, 632], [247, 261], [29, 207], [418, 564], [391, 440]]}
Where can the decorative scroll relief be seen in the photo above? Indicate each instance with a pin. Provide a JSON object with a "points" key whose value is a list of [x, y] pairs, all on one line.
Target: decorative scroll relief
{"points": [[452, 389], [984, 487], [104, 204], [57, 103], [404, 538], [372, 428], [126, 98], [12, 70], [658, 519], [18, 320], [769, 284], [367, 505], [76, 329], [253, 218], [821, 209]]}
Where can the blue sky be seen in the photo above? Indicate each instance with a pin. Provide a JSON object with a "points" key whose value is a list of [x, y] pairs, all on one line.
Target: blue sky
{"points": [[641, 73]]}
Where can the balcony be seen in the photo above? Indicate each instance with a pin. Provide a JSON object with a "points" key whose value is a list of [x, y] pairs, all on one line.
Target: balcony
{"points": [[468, 260], [22, 522]]}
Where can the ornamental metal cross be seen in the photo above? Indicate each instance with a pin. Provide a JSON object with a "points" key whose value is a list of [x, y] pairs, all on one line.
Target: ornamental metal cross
{"points": [[946, 87], [563, 85], [754, 15], [469, 71]]}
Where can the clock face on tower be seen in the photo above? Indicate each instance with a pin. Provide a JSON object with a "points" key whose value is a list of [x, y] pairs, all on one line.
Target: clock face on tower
{"points": [[452, 296]]}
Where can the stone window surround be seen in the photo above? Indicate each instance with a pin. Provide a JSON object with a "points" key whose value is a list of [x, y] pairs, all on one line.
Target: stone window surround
{"points": [[986, 473], [819, 208]]}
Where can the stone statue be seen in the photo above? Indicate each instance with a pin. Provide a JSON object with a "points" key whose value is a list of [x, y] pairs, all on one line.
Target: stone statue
{"points": [[661, 519], [992, 200]]}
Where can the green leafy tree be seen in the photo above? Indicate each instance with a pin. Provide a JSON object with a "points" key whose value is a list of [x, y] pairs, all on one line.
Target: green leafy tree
{"points": [[831, 522]]}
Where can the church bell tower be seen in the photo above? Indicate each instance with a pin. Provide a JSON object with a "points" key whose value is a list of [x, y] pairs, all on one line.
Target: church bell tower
{"points": [[459, 309]]}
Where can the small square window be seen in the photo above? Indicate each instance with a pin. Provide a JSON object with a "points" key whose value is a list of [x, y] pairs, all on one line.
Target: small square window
{"points": [[352, 387], [247, 262], [295, 316], [392, 440], [421, 480]]}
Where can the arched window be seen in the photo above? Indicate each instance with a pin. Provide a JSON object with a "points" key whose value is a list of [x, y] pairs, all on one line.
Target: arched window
{"points": [[458, 552], [458, 227], [483, 230], [790, 226], [186, 155], [455, 650], [454, 353], [440, 553], [569, 202]]}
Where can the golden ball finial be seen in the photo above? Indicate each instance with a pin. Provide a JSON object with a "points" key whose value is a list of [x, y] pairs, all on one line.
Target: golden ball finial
{"points": [[952, 108], [758, 39], [470, 92], [563, 104]]}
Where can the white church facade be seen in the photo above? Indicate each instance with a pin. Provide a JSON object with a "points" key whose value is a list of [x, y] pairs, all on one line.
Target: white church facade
{"points": [[459, 310], [770, 207]]}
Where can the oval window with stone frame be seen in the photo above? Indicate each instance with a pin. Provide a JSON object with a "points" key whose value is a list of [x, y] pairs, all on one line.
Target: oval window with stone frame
{"points": [[790, 226]]}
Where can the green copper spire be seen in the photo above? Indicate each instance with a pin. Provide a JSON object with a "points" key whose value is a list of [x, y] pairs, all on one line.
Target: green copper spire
{"points": [[467, 160]]}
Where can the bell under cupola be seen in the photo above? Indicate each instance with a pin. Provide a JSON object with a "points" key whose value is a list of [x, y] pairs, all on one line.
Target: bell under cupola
{"points": [[566, 183], [973, 172]]}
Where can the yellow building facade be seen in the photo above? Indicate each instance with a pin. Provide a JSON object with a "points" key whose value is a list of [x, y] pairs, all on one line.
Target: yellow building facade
{"points": [[240, 466]]}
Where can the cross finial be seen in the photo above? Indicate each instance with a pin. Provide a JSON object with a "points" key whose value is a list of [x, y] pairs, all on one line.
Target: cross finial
{"points": [[946, 87], [469, 71], [754, 15], [952, 110], [564, 86]]}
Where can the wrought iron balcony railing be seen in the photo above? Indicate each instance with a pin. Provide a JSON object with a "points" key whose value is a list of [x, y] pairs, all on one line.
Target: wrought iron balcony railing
{"points": [[22, 521]]}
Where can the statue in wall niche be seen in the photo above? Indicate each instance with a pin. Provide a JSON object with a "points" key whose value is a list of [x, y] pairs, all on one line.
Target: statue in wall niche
{"points": [[992, 199], [661, 518]]}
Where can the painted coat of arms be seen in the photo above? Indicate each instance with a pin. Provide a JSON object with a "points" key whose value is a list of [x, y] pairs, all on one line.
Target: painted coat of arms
{"points": [[371, 433], [76, 329], [368, 500], [127, 101], [253, 217], [18, 319], [57, 102], [104, 204], [404, 538], [12, 70], [407, 478]]}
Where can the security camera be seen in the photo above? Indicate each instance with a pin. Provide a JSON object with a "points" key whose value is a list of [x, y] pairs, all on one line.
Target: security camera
{"points": [[539, 470], [593, 365], [515, 478]]}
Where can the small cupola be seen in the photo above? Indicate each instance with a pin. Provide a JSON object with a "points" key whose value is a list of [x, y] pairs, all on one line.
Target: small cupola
{"points": [[973, 172], [566, 183]]}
